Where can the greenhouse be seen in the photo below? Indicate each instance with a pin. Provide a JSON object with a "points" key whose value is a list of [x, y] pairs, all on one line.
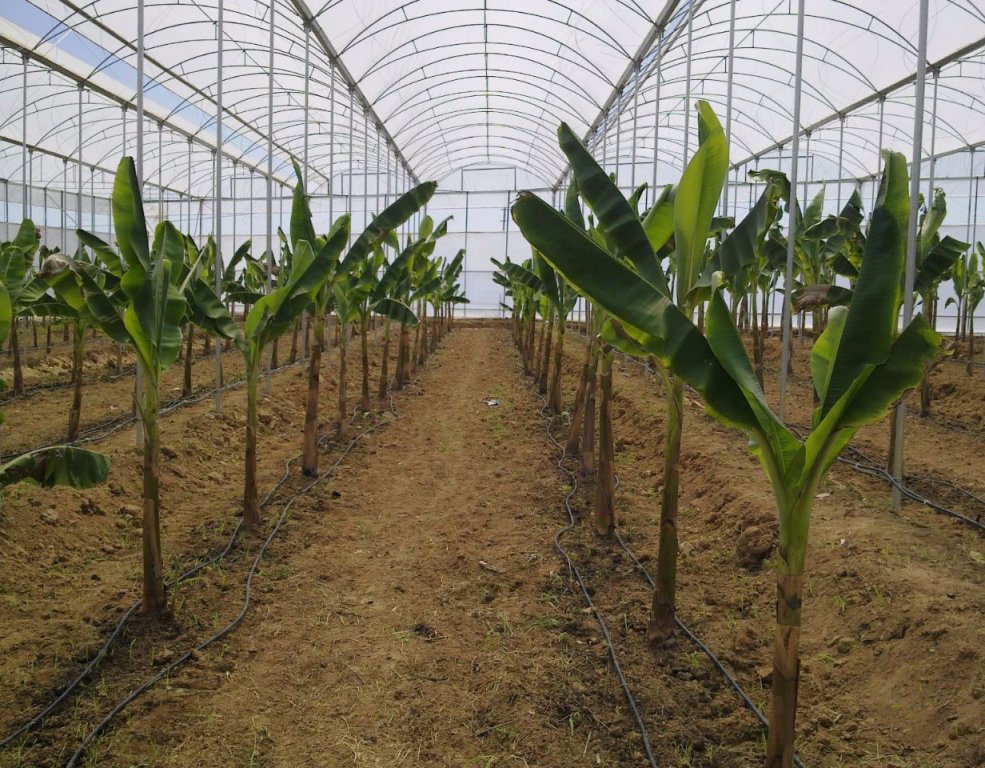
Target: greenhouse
{"points": [[492, 383]]}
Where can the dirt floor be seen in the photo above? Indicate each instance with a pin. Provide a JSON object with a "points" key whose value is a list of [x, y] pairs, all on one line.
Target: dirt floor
{"points": [[413, 611]]}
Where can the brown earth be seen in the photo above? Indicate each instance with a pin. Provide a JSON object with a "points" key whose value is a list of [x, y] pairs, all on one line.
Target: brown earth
{"points": [[427, 620]]}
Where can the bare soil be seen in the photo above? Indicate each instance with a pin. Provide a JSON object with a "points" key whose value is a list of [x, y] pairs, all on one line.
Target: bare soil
{"points": [[412, 610]]}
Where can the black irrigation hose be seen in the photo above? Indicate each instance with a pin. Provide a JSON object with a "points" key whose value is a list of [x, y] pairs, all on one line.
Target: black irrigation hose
{"points": [[236, 621], [718, 664], [120, 626], [576, 574], [103, 430], [185, 657], [871, 468], [102, 378]]}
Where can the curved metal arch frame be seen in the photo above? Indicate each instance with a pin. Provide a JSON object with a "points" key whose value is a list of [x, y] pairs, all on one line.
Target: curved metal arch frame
{"points": [[553, 70], [545, 151], [430, 130], [432, 101], [358, 40]]}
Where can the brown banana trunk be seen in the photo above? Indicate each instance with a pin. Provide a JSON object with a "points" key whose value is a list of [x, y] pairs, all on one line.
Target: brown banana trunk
{"points": [[251, 503], [786, 671], [186, 382], [292, 358], [588, 435], [343, 375], [75, 412], [574, 436], [605, 481], [154, 593], [542, 370], [384, 360], [422, 349], [15, 349], [662, 608], [539, 351], [364, 349], [309, 459], [398, 378], [554, 398]]}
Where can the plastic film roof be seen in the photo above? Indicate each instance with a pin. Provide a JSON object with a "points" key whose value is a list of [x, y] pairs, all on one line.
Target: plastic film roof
{"points": [[433, 87]]}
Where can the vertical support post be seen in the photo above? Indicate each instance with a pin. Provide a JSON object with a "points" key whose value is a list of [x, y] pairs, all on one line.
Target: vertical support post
{"points": [[791, 221], [78, 214], [618, 134], [218, 194], [807, 169], [465, 269], [636, 112], [270, 172], [139, 163], [658, 75], [687, 85], [365, 168], [352, 149], [307, 98], [25, 181], [304, 170], [971, 182], [331, 147], [841, 156], [882, 125], [728, 100], [160, 171], [933, 145], [911, 236]]}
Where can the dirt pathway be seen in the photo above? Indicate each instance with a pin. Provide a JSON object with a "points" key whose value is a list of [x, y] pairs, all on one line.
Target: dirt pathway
{"points": [[413, 613]]}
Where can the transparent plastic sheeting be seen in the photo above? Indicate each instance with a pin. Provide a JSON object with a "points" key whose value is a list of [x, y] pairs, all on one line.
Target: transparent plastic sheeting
{"points": [[476, 83], [469, 93]]}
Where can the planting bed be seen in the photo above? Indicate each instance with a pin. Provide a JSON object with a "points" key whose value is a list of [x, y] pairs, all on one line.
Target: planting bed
{"points": [[413, 611]]}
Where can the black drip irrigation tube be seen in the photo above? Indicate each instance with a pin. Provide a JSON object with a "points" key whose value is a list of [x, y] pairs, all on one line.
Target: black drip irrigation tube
{"points": [[576, 575], [248, 591], [118, 629], [103, 430], [247, 598], [690, 634], [869, 467]]}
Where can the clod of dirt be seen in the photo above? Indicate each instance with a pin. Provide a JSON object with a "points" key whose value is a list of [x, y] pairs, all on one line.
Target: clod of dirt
{"points": [[754, 545], [50, 516], [429, 633]]}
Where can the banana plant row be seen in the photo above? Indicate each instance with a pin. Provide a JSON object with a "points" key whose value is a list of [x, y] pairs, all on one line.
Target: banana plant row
{"points": [[668, 285], [152, 290]]}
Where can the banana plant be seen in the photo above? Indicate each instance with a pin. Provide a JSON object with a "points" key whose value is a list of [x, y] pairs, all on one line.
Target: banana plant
{"points": [[969, 287], [446, 296], [860, 368], [69, 303], [686, 214], [23, 288], [149, 319], [54, 465]]}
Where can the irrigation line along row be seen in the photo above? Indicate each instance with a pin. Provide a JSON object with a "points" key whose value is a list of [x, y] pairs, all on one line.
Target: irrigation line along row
{"points": [[103, 430], [869, 467], [121, 624], [9, 398], [247, 598], [208, 561], [576, 575], [718, 664]]}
